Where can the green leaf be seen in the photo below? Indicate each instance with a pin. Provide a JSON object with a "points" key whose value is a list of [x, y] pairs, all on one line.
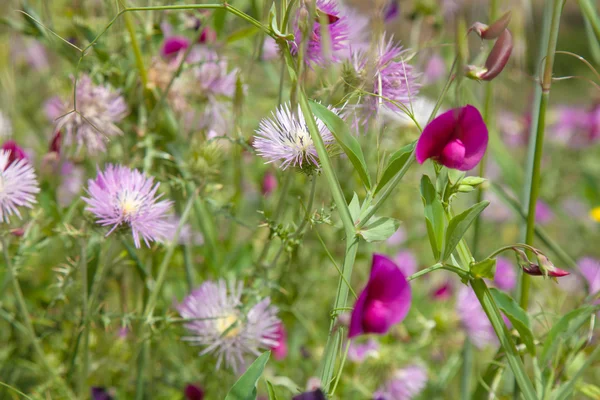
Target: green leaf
{"points": [[271, 391], [484, 269], [395, 164], [344, 138], [354, 208], [245, 387], [243, 33], [434, 215], [381, 228], [564, 328], [517, 316], [459, 225]]}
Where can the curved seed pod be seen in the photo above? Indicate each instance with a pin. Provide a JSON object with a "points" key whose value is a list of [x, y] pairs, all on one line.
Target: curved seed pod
{"points": [[498, 57], [492, 31]]}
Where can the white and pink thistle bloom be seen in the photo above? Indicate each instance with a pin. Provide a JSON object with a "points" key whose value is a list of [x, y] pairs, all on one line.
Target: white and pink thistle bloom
{"points": [[18, 185], [217, 322], [99, 109], [285, 138], [120, 196]]}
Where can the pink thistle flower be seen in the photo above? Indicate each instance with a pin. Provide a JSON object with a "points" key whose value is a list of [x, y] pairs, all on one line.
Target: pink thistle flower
{"points": [[405, 384], [506, 275], [456, 139], [280, 351], [122, 196], [392, 80], [217, 323], [18, 185], [98, 110], [474, 320], [337, 34], [285, 138], [385, 300], [543, 213]]}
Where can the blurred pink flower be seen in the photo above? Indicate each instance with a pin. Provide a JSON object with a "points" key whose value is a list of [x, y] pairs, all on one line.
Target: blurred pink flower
{"points": [[590, 269], [405, 384], [576, 126], [397, 238], [406, 261], [474, 320], [435, 69], [543, 213], [506, 274], [280, 350], [359, 352]]}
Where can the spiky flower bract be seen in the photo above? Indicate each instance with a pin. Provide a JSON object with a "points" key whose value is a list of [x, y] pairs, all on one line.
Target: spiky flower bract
{"points": [[99, 109], [122, 196], [18, 185], [217, 322], [285, 138]]}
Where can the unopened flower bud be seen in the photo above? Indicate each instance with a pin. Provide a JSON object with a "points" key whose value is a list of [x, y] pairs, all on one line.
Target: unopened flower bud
{"points": [[492, 31], [473, 181], [498, 57], [465, 188]]}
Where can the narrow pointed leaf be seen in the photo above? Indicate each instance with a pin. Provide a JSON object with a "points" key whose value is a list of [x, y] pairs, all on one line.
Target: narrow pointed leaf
{"points": [[517, 316], [245, 387], [458, 226], [397, 161], [344, 139], [271, 391]]}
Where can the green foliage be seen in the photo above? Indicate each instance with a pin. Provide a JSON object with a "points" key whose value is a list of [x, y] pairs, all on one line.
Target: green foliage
{"points": [[245, 387]]}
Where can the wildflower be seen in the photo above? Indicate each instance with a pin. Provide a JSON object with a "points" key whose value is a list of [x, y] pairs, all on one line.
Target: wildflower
{"points": [[576, 126], [193, 392], [98, 110], [543, 213], [72, 181], [443, 292], [590, 269], [280, 350], [506, 276], [544, 266], [121, 196], [473, 319], [18, 185], [405, 384], [456, 139], [359, 352], [218, 323], [595, 214], [391, 10], [15, 151], [386, 75], [337, 34], [173, 46], [285, 138], [406, 261], [435, 69], [269, 183], [316, 394], [385, 300]]}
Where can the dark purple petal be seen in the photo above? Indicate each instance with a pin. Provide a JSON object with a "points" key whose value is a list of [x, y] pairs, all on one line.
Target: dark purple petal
{"points": [[474, 135], [385, 300], [193, 392], [173, 45], [16, 152], [314, 395], [435, 135], [280, 350], [535, 270], [391, 11], [498, 57], [100, 393]]}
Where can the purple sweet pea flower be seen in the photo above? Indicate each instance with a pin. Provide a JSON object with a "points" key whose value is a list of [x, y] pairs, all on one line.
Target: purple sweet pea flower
{"points": [[385, 300], [193, 392], [456, 139], [15, 151], [173, 45], [314, 395]]}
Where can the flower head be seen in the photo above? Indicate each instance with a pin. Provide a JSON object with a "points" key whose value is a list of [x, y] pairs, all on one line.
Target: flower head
{"points": [[18, 185], [456, 139], [506, 275], [337, 33], [172, 46], [405, 384], [390, 79], [99, 109], [590, 269], [218, 323], [280, 350], [285, 138], [359, 352], [385, 300], [122, 196]]}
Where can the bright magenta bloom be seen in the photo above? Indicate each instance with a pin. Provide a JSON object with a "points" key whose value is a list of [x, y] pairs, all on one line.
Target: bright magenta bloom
{"points": [[456, 139], [385, 300]]}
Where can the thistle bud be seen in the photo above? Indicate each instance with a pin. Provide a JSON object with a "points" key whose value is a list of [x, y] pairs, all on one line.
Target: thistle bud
{"points": [[492, 31]]}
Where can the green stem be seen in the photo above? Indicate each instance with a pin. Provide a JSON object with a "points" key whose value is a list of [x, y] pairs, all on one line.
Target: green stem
{"points": [[139, 61], [20, 299], [534, 186], [81, 388], [311, 199], [512, 355], [467, 370]]}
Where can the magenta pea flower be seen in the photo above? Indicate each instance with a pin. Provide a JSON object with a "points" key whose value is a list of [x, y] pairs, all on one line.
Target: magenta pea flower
{"points": [[385, 300], [456, 139]]}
